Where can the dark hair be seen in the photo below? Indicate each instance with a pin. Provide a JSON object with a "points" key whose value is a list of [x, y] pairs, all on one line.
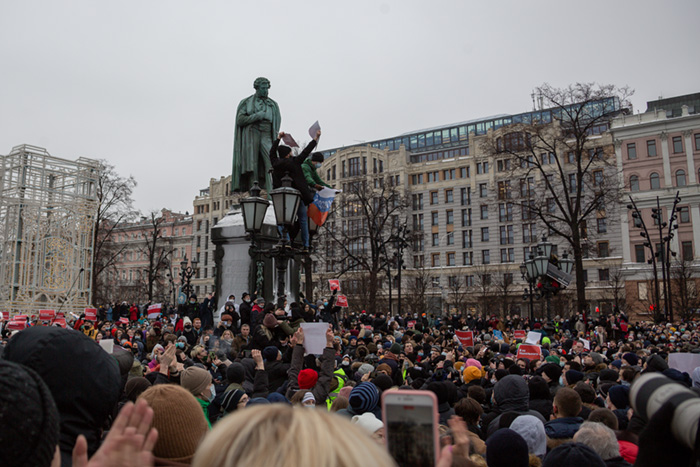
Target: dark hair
{"points": [[538, 388], [604, 416], [469, 409], [477, 393]]}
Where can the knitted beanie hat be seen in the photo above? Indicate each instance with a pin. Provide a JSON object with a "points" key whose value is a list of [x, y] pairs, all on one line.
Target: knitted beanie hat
{"points": [[573, 455], [619, 396], [631, 358], [364, 398], [395, 348], [270, 353], [307, 378], [471, 373], [552, 370], [383, 382], [231, 399], [573, 376], [179, 420], [364, 369], [473, 362], [368, 422], [29, 429], [506, 448], [135, 386], [235, 373], [195, 380]]}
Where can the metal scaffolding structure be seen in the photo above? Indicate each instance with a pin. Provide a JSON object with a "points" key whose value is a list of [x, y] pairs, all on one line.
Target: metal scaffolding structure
{"points": [[47, 221]]}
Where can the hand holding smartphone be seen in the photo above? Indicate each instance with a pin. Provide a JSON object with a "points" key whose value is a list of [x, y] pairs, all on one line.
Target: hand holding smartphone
{"points": [[411, 426]]}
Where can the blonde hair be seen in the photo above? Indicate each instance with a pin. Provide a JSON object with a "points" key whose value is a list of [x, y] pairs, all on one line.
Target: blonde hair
{"points": [[279, 435], [195, 351]]}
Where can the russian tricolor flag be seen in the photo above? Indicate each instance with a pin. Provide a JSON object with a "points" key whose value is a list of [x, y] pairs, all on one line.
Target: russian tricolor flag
{"points": [[320, 207]]}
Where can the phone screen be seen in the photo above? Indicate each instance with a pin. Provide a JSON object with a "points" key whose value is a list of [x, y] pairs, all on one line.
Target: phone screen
{"points": [[409, 431]]}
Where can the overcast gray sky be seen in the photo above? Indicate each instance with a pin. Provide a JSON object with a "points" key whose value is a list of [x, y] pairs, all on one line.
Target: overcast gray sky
{"points": [[152, 86]]}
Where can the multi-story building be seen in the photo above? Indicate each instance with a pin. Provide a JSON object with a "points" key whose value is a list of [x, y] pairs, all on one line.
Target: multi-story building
{"points": [[468, 213], [127, 280], [659, 154], [211, 205]]}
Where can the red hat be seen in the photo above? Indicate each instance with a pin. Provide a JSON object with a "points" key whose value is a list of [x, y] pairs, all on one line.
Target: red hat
{"points": [[307, 379]]}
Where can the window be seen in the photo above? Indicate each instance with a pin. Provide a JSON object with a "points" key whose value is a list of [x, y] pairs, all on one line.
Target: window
{"points": [[433, 197], [603, 249], [571, 157], [634, 183], [482, 168], [449, 174], [527, 187], [468, 258], [631, 151], [654, 181], [435, 260], [528, 210], [418, 202], [572, 183], [639, 254], [418, 261], [507, 235], [483, 190], [684, 214], [484, 211], [465, 194], [354, 166], [603, 275], [486, 279], [451, 259], [598, 178], [529, 233], [466, 217], [464, 172], [434, 218], [466, 239], [680, 177], [504, 190], [651, 148], [503, 165], [507, 255], [450, 238], [469, 281], [485, 257], [677, 144], [436, 239], [505, 212], [418, 222], [687, 251], [602, 224], [484, 234], [450, 217], [449, 196]]}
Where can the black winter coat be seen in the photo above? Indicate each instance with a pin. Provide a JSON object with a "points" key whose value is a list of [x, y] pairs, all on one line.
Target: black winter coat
{"points": [[292, 165]]}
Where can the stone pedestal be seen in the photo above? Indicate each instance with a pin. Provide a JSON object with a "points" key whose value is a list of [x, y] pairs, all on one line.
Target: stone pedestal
{"points": [[240, 270]]}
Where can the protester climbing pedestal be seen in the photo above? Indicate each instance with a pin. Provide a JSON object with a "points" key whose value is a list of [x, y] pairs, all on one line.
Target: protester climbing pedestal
{"points": [[238, 271]]}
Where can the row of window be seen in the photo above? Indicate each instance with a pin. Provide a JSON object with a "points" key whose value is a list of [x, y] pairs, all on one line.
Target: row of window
{"points": [[641, 255], [507, 256], [440, 175], [655, 180], [676, 145]]}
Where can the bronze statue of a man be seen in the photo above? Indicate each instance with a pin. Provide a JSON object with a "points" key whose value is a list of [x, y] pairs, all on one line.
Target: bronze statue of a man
{"points": [[257, 124]]}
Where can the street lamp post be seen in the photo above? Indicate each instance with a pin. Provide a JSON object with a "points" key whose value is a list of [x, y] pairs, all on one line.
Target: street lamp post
{"points": [[662, 252], [528, 293], [187, 270], [400, 242], [548, 272], [285, 202]]}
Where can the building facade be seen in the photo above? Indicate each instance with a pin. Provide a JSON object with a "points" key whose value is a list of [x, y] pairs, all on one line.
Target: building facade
{"points": [[467, 210], [212, 204], [127, 280], [658, 152]]}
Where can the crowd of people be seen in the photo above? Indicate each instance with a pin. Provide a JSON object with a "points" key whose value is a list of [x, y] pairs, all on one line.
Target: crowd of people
{"points": [[184, 389]]}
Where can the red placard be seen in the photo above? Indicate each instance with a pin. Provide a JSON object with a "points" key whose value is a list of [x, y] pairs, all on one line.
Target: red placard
{"points": [[21, 318], [154, 311], [520, 334], [60, 322], [124, 320], [334, 284], [16, 325], [412, 324], [341, 300], [60, 315], [466, 338], [47, 315], [5, 315], [91, 314], [531, 352]]}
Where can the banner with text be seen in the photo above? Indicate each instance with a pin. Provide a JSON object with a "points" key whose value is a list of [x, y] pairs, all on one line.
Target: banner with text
{"points": [[531, 352], [466, 338]]}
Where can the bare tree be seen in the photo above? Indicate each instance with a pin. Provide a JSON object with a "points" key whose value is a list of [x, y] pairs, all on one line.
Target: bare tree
{"points": [[617, 291], [482, 290], [158, 251], [457, 294], [416, 297], [503, 287], [684, 283], [578, 178], [115, 206], [359, 247]]}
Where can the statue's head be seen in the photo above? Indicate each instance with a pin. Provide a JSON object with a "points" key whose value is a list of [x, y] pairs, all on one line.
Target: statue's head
{"points": [[262, 86]]}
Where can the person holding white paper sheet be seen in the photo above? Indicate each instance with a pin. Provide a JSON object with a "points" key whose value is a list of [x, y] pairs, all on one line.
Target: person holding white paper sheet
{"points": [[307, 379]]}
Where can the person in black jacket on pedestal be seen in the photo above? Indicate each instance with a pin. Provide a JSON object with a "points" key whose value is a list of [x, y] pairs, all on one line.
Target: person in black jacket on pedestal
{"points": [[284, 163]]}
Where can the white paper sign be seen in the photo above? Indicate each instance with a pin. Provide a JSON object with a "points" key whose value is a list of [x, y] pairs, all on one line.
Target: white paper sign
{"points": [[586, 343], [314, 337], [314, 128], [684, 361], [107, 345], [533, 338]]}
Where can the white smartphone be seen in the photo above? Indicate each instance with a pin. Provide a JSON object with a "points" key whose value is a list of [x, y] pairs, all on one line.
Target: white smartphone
{"points": [[411, 426]]}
